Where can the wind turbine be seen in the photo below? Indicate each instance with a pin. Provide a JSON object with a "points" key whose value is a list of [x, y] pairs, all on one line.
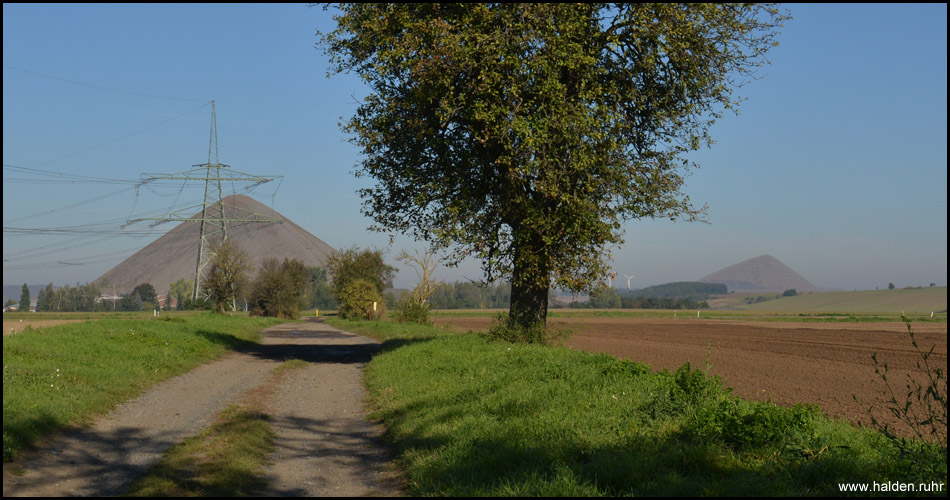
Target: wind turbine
{"points": [[630, 278]]}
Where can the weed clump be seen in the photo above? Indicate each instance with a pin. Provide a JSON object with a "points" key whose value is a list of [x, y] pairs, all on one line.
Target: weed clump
{"points": [[411, 311], [921, 406], [502, 328]]}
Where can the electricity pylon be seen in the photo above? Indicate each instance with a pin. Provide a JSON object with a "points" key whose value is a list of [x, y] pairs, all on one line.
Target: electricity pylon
{"points": [[215, 215]]}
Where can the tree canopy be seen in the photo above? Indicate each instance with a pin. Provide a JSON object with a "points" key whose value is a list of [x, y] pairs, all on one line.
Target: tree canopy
{"points": [[354, 264], [227, 277], [526, 134], [145, 291]]}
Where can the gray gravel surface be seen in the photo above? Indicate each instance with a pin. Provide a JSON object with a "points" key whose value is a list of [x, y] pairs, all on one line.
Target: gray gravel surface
{"points": [[325, 445]]}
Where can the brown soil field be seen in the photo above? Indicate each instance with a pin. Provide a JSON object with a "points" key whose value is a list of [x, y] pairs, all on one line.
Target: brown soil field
{"points": [[782, 362], [11, 327]]}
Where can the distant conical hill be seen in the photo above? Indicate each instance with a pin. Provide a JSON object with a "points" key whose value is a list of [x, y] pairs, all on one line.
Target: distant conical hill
{"points": [[174, 255], [765, 273]]}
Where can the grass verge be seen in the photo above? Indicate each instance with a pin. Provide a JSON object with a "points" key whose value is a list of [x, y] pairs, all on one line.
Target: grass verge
{"points": [[472, 417], [64, 375]]}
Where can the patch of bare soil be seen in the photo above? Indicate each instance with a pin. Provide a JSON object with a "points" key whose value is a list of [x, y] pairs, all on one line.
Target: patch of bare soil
{"points": [[11, 327], [325, 445], [786, 362]]}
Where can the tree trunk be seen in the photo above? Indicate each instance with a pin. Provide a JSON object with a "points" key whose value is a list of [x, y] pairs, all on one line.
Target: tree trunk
{"points": [[529, 291]]}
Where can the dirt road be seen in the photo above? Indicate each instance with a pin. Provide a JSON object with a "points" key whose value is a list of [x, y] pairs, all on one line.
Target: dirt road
{"points": [[325, 445]]}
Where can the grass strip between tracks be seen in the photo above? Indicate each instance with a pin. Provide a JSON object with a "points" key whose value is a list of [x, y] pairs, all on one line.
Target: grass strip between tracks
{"points": [[227, 459], [64, 375], [473, 417]]}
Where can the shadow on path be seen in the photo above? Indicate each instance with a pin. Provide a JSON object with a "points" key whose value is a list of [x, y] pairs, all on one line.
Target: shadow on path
{"points": [[104, 459]]}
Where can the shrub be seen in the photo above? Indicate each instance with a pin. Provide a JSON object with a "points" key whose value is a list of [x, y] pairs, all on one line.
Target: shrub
{"points": [[411, 311], [357, 299], [742, 425], [504, 329], [923, 407], [279, 288]]}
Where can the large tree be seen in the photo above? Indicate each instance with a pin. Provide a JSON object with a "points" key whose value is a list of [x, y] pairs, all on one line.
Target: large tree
{"points": [[526, 134]]}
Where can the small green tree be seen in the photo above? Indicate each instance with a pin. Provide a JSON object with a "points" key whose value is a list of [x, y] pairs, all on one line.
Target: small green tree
{"points": [[279, 288], [47, 299], [415, 306], [607, 298], [25, 299], [790, 293], [890, 286], [227, 277], [357, 299], [354, 264], [145, 291]]}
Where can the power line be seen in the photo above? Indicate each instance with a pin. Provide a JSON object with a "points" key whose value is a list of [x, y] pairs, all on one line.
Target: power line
{"points": [[62, 176], [65, 207], [124, 136], [101, 87]]}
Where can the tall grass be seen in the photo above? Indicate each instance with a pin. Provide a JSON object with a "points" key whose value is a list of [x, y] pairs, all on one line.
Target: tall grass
{"points": [[473, 417], [64, 375]]}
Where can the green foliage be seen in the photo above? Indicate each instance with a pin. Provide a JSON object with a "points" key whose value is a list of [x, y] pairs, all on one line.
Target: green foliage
{"points": [[746, 426], [357, 300], [354, 264], [526, 134], [83, 298], [790, 293], [411, 311], [655, 303], [890, 286], [279, 288], [227, 276], [131, 303], [695, 290], [25, 299], [504, 329], [145, 291], [182, 290], [469, 295], [761, 298], [923, 407], [318, 294], [606, 298]]}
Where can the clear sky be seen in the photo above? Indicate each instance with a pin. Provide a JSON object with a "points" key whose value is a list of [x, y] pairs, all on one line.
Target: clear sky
{"points": [[836, 164]]}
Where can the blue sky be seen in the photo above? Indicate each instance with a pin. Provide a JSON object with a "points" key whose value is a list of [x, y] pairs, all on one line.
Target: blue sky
{"points": [[836, 164]]}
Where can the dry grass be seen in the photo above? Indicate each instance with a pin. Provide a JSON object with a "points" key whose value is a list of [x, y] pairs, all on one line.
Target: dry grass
{"points": [[14, 326]]}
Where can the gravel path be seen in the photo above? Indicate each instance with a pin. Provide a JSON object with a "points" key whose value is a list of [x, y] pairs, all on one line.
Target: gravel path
{"points": [[325, 446]]}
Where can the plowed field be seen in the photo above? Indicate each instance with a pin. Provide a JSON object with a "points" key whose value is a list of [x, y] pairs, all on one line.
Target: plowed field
{"points": [[785, 362]]}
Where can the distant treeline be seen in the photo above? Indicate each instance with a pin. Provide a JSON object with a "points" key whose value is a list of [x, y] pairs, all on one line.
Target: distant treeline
{"points": [[682, 295], [468, 295], [86, 298], [681, 290], [612, 299]]}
